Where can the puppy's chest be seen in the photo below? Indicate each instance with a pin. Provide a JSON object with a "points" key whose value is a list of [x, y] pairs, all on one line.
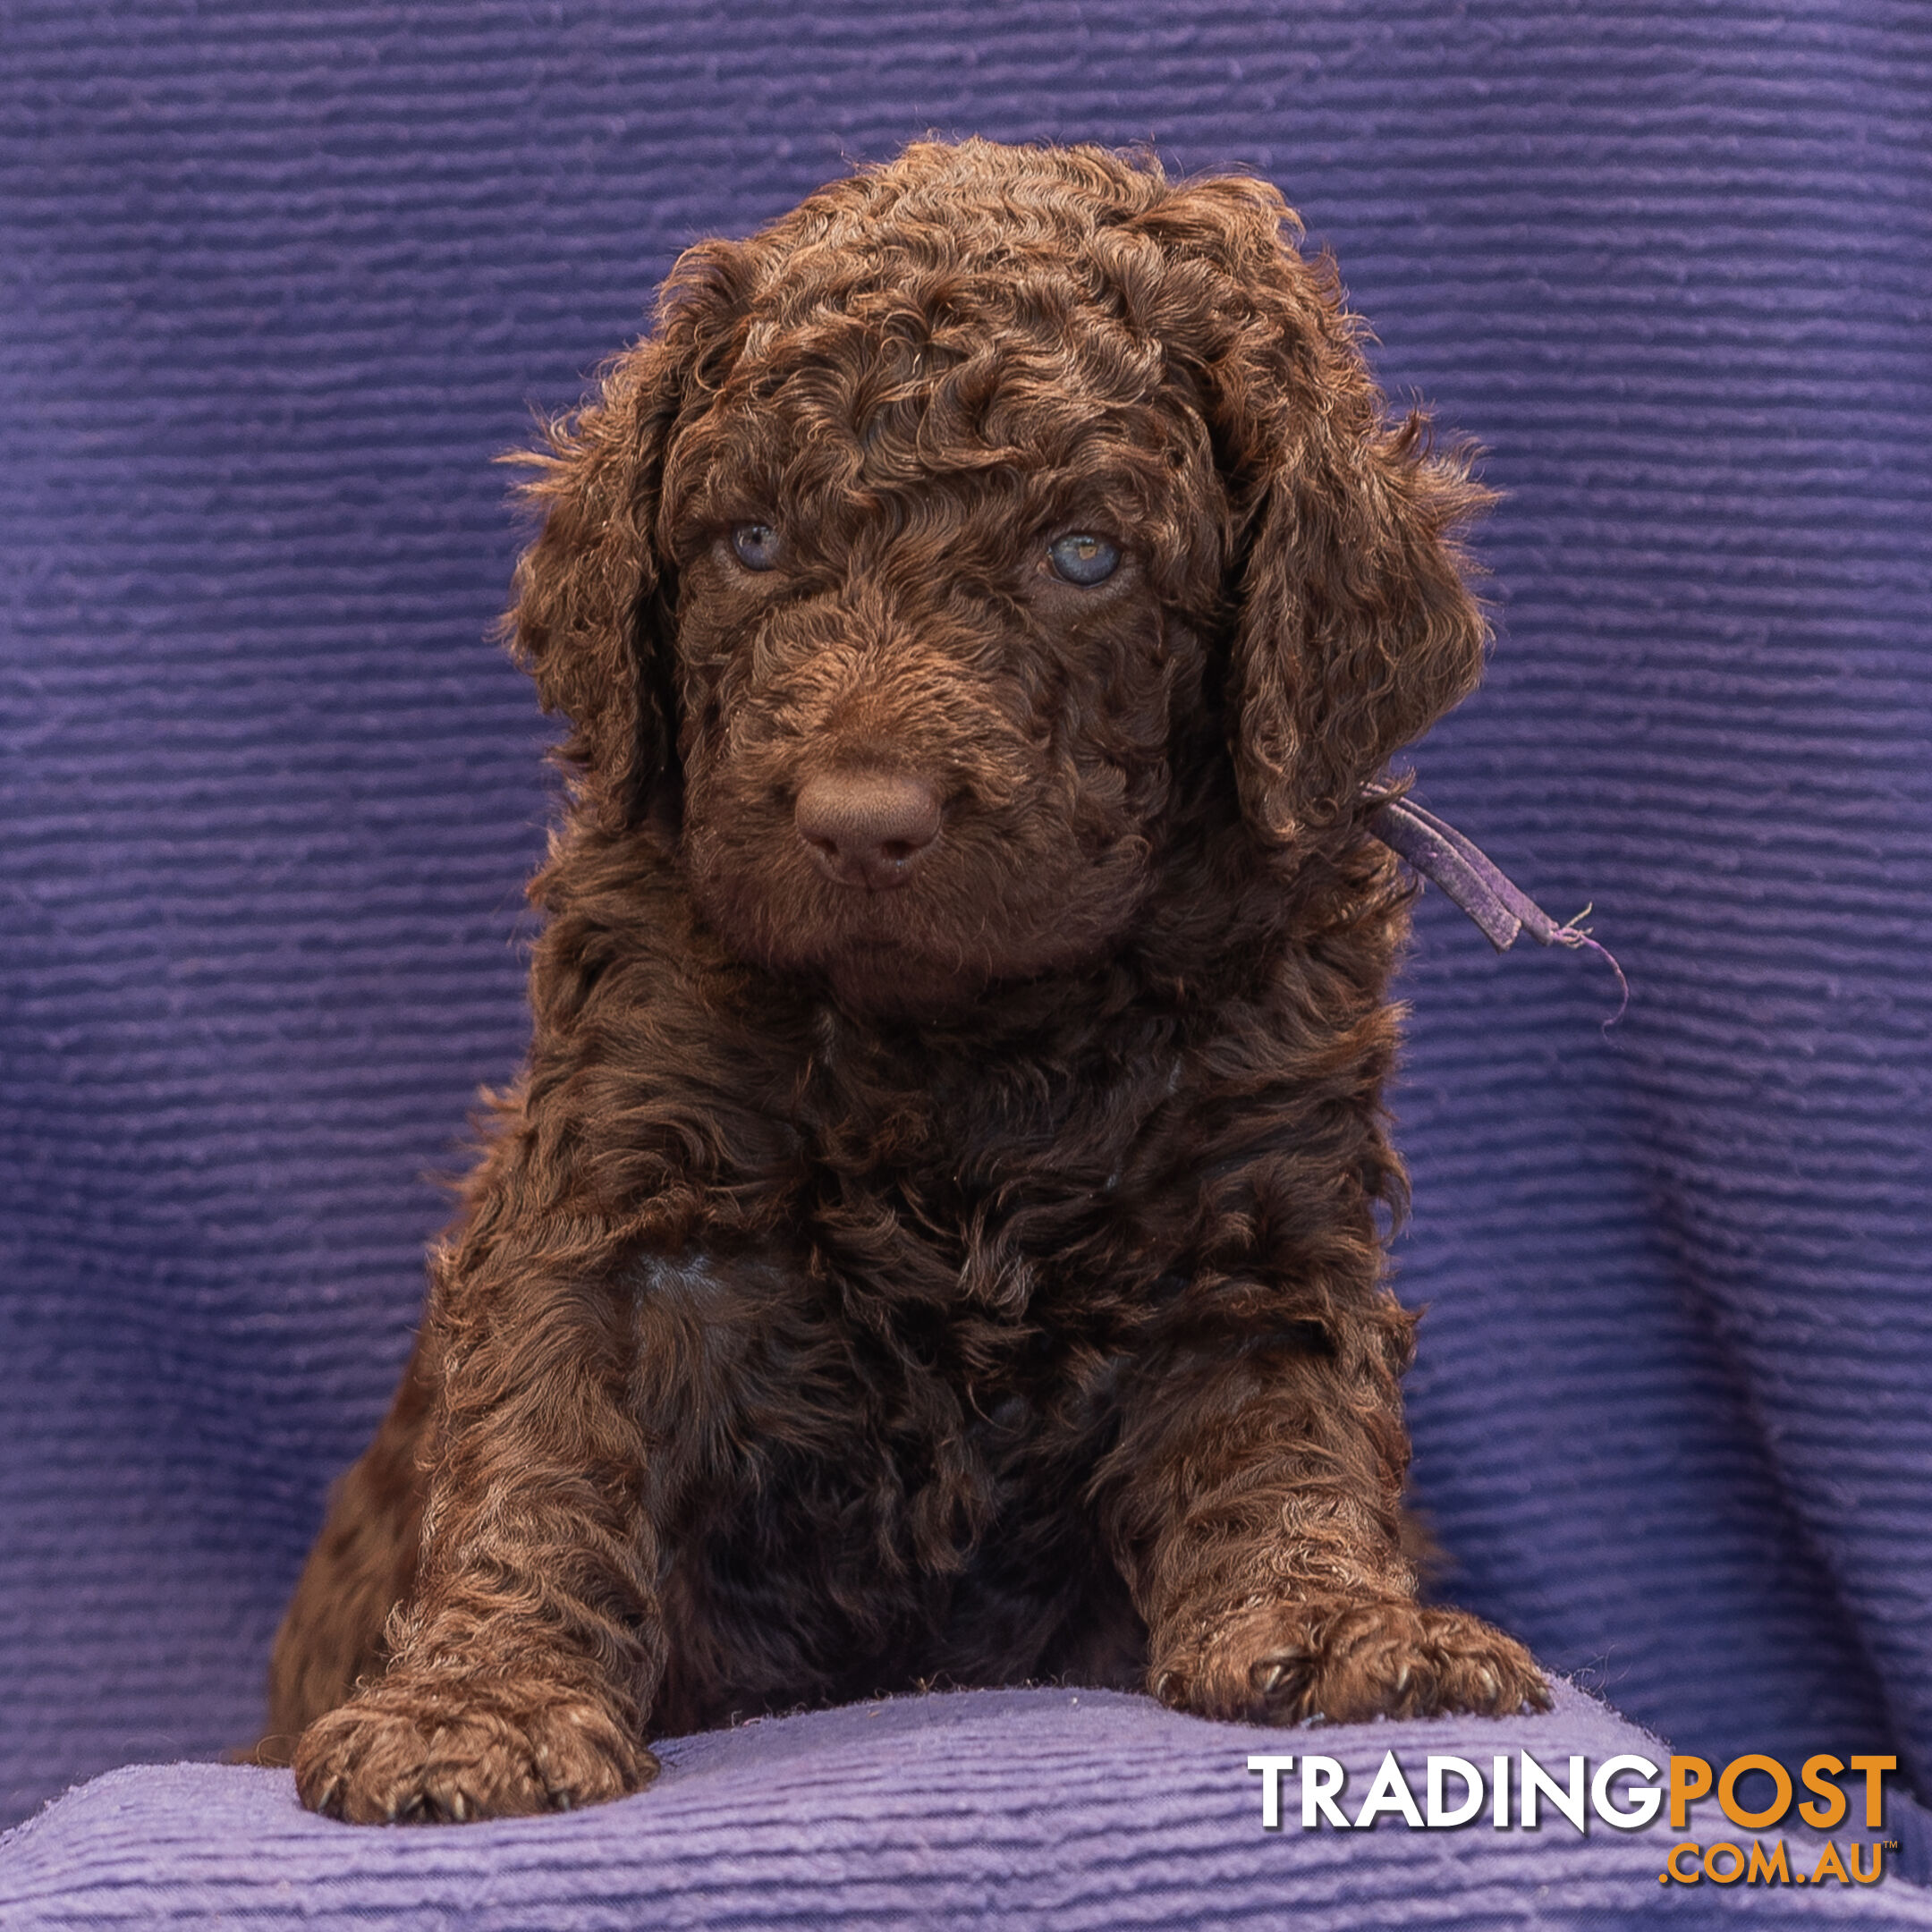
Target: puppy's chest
{"points": [[948, 1303], [995, 1301], [822, 1424], [959, 1324], [993, 1192]]}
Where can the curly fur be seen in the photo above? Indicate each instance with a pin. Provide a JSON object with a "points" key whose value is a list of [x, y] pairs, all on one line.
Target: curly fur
{"points": [[980, 1280]]}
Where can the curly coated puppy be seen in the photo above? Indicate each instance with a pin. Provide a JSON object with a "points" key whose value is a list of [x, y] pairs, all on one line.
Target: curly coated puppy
{"points": [[938, 1236]]}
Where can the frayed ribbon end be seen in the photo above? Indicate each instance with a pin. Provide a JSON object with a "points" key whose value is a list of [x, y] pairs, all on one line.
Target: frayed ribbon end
{"points": [[1575, 937]]}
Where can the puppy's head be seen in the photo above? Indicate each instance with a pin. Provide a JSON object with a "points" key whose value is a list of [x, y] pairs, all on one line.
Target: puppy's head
{"points": [[909, 568]]}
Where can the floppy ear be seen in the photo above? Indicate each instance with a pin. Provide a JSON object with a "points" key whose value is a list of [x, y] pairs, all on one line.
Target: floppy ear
{"points": [[594, 593], [1354, 628]]}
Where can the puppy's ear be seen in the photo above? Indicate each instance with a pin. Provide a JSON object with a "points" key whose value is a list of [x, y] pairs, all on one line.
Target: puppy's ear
{"points": [[1354, 628], [593, 595]]}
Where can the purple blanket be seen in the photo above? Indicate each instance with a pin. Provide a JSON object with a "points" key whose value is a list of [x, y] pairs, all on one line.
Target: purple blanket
{"points": [[277, 282], [1084, 1811]]}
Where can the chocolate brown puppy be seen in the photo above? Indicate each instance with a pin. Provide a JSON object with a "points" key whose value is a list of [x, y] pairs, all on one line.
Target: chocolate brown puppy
{"points": [[938, 1235]]}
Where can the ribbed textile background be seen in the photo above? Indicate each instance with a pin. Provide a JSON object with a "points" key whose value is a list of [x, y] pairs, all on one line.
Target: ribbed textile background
{"points": [[280, 281]]}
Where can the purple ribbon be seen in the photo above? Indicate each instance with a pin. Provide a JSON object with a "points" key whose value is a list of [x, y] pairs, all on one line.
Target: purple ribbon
{"points": [[1467, 874]]}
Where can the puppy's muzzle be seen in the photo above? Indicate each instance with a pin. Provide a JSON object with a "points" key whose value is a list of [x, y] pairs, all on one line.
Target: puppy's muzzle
{"points": [[868, 828]]}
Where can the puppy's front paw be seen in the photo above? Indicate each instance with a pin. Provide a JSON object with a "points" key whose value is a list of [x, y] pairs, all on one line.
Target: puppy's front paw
{"points": [[421, 1752], [1349, 1661]]}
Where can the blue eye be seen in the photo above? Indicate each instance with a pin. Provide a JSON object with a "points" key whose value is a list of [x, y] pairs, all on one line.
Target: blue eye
{"points": [[756, 545], [1082, 558]]}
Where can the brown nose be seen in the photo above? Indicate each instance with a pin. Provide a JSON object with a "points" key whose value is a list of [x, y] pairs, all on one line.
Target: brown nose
{"points": [[868, 827]]}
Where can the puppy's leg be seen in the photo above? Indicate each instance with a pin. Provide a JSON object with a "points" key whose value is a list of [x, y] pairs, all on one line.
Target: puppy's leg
{"points": [[360, 1568], [1257, 1519], [523, 1665]]}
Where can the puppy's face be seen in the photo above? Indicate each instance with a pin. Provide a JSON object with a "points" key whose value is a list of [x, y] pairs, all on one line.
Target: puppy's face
{"points": [[943, 570], [948, 528]]}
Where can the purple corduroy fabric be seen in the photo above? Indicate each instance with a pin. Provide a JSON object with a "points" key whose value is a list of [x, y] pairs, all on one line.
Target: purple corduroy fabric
{"points": [[278, 282], [1081, 1811]]}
